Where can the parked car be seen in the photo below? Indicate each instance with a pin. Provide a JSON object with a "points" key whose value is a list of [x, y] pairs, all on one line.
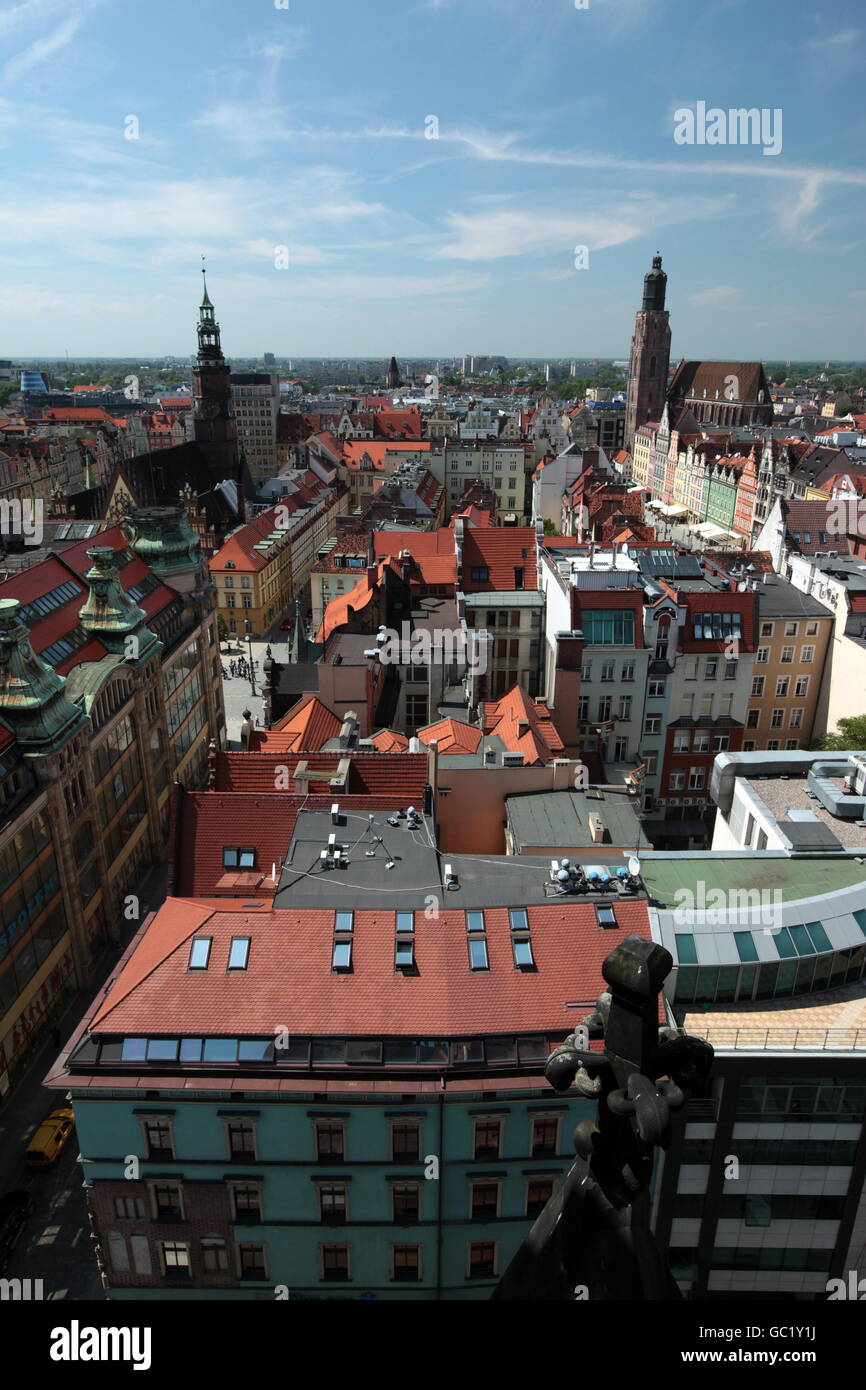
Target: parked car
{"points": [[15, 1208], [50, 1138]]}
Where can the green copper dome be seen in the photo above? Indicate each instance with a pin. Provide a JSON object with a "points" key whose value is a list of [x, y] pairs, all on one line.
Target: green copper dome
{"points": [[32, 695]]}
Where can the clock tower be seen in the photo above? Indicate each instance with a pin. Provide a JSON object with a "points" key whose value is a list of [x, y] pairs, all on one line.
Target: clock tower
{"points": [[215, 426]]}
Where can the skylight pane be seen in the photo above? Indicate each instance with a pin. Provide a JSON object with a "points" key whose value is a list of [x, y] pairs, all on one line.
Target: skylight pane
{"points": [[133, 1050], [784, 944], [860, 919], [239, 954], [686, 951], [405, 921], [190, 1049], [478, 955], [220, 1049], [256, 1050], [802, 941], [606, 917], [475, 921], [523, 953], [343, 921], [247, 858], [405, 953], [342, 956], [820, 939], [162, 1050], [519, 921], [746, 948], [199, 953], [230, 858]]}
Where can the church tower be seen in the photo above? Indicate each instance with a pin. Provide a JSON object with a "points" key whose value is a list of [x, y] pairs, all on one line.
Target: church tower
{"points": [[215, 426], [393, 375], [650, 354]]}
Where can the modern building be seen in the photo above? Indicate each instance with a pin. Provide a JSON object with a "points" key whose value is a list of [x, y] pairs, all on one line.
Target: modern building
{"points": [[256, 403]]}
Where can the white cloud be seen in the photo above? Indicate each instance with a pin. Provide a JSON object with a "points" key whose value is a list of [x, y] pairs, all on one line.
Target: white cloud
{"points": [[719, 294], [41, 49]]}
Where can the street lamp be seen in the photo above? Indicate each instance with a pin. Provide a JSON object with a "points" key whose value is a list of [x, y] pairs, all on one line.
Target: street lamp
{"points": [[252, 668]]}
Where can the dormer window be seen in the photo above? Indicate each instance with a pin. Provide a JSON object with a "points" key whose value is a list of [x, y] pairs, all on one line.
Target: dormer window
{"points": [[235, 857]]}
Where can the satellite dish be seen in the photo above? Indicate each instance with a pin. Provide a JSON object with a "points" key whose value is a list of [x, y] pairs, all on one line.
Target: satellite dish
{"points": [[633, 866]]}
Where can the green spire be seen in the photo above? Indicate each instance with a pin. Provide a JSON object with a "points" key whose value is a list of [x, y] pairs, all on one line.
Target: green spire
{"points": [[32, 697], [110, 614]]}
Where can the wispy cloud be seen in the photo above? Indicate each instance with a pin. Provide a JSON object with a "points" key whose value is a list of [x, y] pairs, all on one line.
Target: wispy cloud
{"points": [[718, 294], [40, 49], [842, 39]]}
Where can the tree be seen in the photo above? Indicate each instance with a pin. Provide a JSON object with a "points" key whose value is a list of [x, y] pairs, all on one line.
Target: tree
{"points": [[7, 389], [222, 630], [850, 733], [550, 529]]}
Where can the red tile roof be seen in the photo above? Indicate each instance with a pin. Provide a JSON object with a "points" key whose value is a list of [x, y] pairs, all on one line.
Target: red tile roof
{"points": [[452, 736], [389, 741], [524, 725], [378, 450], [385, 777], [499, 549], [438, 542], [289, 977], [305, 728]]}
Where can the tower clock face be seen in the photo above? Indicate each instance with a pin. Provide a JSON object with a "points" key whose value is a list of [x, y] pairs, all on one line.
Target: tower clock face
{"points": [[208, 410]]}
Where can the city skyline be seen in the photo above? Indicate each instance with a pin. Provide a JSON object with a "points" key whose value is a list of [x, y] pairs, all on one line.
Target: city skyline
{"points": [[420, 182]]}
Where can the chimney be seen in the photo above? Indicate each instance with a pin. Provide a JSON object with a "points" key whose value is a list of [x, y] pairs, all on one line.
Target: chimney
{"points": [[596, 828]]}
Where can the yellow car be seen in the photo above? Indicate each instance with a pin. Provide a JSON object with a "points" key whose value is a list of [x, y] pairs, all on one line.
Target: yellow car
{"points": [[50, 1138]]}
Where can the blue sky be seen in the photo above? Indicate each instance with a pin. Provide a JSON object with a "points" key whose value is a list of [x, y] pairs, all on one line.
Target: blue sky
{"points": [[307, 128]]}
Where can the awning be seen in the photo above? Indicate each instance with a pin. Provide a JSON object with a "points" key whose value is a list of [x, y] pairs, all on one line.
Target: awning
{"points": [[674, 509]]}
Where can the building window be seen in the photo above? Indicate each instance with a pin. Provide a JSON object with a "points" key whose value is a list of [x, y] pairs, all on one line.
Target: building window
{"points": [[239, 953], [158, 1138], [330, 1141], [174, 1255], [753, 719], [608, 670], [241, 1139], [782, 686], [778, 719], [167, 1200], [791, 629], [406, 1263], [766, 629], [332, 1202], [480, 574], [711, 669], [628, 670], [762, 656], [787, 655], [652, 724], [757, 685], [696, 778], [538, 1193], [796, 720], [214, 1256], [129, 1208], [730, 670], [246, 1203], [482, 1259], [405, 1142], [545, 1136], [676, 781], [335, 1264], [251, 1262], [406, 1201], [487, 1138], [484, 1201], [807, 654]]}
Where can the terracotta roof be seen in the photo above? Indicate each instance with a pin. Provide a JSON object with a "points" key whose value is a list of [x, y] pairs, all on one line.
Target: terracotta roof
{"points": [[389, 741], [289, 976], [75, 413], [452, 736], [524, 725], [813, 518], [340, 609], [692, 380], [306, 727], [500, 550], [378, 450], [438, 542], [387, 778]]}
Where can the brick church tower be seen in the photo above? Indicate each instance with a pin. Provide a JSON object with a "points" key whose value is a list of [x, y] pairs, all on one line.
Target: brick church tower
{"points": [[650, 354], [215, 426]]}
